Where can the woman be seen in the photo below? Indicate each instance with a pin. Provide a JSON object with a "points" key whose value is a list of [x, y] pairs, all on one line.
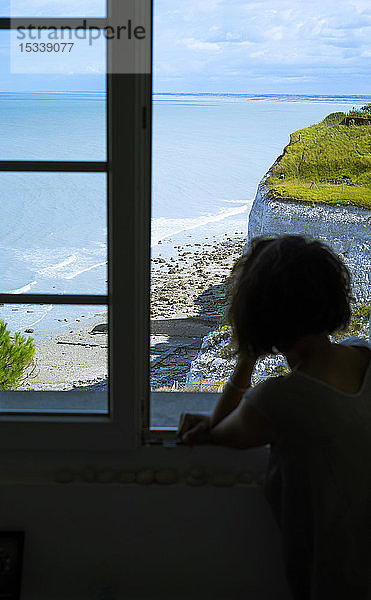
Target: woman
{"points": [[290, 294]]}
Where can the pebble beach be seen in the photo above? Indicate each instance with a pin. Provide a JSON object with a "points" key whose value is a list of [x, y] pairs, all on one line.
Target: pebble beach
{"points": [[76, 358], [187, 301]]}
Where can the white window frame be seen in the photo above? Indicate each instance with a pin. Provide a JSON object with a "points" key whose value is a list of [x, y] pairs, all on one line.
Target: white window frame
{"points": [[128, 182]]}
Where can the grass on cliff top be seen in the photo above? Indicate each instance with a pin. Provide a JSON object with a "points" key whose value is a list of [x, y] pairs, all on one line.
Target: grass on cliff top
{"points": [[330, 151]]}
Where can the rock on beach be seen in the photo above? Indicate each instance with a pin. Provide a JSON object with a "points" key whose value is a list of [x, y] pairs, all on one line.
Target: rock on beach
{"points": [[188, 299]]}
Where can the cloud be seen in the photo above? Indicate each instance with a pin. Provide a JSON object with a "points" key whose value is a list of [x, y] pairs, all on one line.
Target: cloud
{"points": [[194, 44], [263, 36]]}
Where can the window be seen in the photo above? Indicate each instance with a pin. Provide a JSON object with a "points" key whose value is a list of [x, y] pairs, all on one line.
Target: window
{"points": [[213, 141], [53, 163], [123, 167], [89, 433], [115, 171]]}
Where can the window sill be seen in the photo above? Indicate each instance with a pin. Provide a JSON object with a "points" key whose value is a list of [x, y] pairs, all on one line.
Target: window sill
{"points": [[197, 466], [75, 442], [29, 403]]}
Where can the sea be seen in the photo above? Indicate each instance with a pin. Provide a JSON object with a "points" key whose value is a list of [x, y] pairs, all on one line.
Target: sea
{"points": [[209, 153]]}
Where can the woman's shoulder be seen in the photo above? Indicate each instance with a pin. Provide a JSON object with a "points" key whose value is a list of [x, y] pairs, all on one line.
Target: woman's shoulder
{"points": [[276, 398], [355, 341], [271, 388]]}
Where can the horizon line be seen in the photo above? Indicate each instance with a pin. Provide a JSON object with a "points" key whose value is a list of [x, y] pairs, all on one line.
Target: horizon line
{"points": [[225, 93], [337, 95]]}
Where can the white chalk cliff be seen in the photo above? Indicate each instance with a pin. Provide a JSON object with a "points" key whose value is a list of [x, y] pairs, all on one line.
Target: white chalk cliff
{"points": [[347, 229]]}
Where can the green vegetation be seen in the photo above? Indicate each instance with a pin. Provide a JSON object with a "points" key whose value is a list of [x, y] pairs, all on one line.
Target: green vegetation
{"points": [[278, 371], [329, 162], [334, 118], [359, 323], [363, 113], [16, 355]]}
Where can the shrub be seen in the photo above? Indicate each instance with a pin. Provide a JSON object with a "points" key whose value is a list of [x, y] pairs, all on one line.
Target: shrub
{"points": [[359, 323], [366, 108], [335, 117], [16, 355]]}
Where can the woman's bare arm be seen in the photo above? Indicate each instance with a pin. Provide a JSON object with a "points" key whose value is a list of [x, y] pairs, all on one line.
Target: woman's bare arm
{"points": [[245, 427], [233, 392], [193, 425]]}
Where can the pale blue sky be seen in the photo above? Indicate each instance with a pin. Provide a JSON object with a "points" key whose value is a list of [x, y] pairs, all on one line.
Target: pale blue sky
{"points": [[52, 8], [263, 46], [256, 46]]}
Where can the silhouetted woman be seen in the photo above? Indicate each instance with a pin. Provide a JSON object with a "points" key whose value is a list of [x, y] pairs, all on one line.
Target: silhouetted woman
{"points": [[290, 293]]}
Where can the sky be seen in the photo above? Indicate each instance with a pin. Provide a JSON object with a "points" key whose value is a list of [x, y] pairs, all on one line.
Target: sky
{"points": [[52, 8], [263, 46], [320, 47]]}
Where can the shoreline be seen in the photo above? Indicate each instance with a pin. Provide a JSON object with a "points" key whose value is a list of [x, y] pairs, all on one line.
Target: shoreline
{"points": [[74, 359], [187, 301]]}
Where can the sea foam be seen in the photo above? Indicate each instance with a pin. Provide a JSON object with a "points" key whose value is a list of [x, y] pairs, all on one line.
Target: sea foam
{"points": [[163, 228], [23, 289]]}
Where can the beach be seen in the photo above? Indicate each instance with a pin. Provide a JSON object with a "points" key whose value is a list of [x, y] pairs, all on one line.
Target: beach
{"points": [[74, 359], [187, 301]]}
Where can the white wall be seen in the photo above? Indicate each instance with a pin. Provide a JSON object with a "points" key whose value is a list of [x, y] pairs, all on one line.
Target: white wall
{"points": [[148, 542]]}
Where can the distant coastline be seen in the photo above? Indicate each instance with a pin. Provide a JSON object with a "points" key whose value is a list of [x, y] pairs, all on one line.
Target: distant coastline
{"points": [[256, 96], [284, 97]]}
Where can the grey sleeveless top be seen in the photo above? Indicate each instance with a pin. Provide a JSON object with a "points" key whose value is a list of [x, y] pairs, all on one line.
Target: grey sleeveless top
{"points": [[318, 482]]}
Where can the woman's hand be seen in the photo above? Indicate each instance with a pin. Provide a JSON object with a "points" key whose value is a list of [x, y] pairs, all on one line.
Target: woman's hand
{"points": [[194, 428]]}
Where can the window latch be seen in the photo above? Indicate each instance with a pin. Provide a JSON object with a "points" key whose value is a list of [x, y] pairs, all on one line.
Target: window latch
{"points": [[144, 117]]}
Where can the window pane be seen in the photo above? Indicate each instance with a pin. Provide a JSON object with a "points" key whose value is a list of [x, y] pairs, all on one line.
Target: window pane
{"points": [[166, 408], [212, 144], [52, 105], [53, 126], [67, 52], [62, 348], [53, 233], [209, 154], [48, 8]]}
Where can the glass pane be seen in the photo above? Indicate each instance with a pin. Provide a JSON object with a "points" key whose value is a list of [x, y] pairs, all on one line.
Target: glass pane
{"points": [[61, 348], [52, 105], [166, 408], [53, 233], [49, 8], [45, 50], [209, 155], [53, 126], [212, 145]]}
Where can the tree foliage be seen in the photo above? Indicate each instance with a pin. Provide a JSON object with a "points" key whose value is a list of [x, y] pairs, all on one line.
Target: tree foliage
{"points": [[16, 354], [366, 108], [334, 117]]}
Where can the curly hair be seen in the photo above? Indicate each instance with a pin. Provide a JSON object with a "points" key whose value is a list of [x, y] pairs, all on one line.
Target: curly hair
{"points": [[285, 288]]}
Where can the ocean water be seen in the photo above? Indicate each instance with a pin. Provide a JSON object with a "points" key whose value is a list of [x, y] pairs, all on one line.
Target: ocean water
{"points": [[53, 226], [209, 154]]}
